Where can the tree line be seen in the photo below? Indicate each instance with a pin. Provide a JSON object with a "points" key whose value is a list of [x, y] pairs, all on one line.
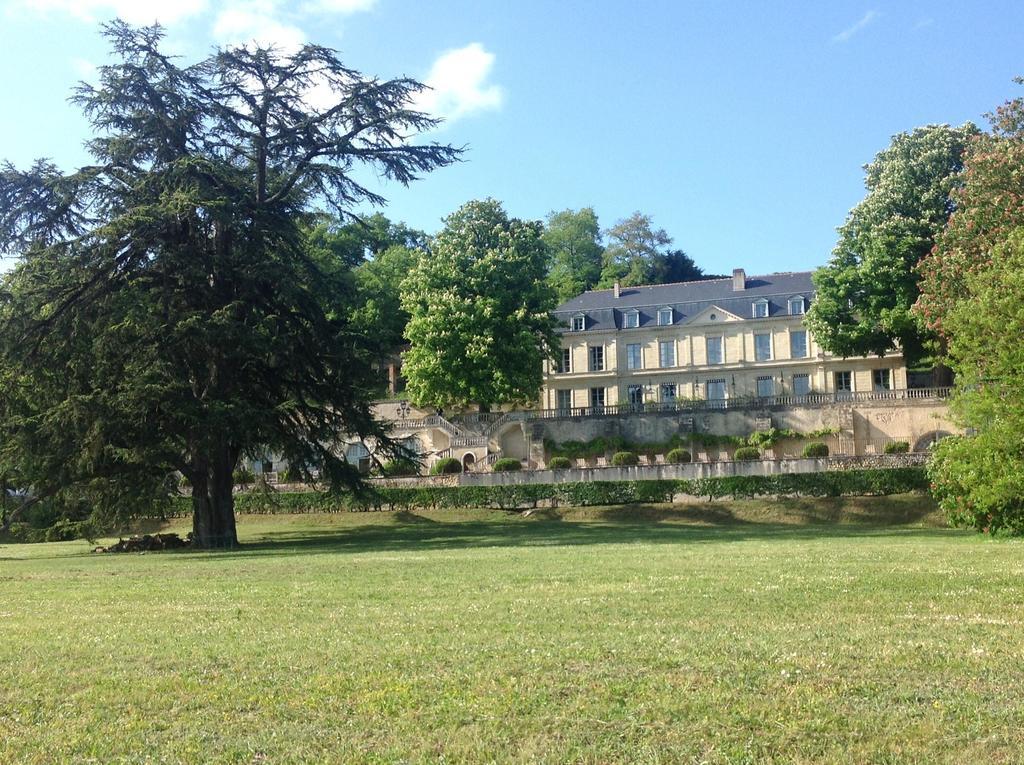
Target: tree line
{"points": [[932, 261], [201, 291]]}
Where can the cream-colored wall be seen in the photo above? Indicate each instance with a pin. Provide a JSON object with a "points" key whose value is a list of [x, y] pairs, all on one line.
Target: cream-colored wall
{"points": [[738, 368]]}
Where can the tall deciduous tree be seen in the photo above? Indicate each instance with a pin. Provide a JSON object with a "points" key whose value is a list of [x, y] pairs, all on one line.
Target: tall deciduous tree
{"points": [[633, 252], [480, 307], [573, 238], [979, 479], [167, 313], [866, 292], [989, 205], [379, 296]]}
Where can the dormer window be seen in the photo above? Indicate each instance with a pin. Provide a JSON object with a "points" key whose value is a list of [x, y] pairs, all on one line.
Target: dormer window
{"points": [[760, 308], [797, 305], [631, 319], [664, 317], [579, 323]]}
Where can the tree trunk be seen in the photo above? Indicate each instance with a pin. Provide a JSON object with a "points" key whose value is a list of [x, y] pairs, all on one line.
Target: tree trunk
{"points": [[213, 506]]}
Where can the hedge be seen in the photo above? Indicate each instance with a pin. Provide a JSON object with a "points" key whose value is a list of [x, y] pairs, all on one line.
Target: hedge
{"points": [[560, 463], [625, 459], [445, 466], [815, 449], [678, 456], [506, 465], [747, 454], [580, 494], [897, 447]]}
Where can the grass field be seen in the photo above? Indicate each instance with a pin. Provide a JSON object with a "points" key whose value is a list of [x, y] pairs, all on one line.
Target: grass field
{"points": [[738, 632]]}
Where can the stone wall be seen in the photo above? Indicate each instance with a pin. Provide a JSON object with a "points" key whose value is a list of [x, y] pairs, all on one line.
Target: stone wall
{"points": [[689, 471], [864, 428]]}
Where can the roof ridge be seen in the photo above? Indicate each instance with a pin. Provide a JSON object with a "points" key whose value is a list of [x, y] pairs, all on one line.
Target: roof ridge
{"points": [[694, 281]]}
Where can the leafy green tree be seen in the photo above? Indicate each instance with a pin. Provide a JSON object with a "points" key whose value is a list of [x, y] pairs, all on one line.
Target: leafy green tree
{"points": [[675, 266], [979, 479], [989, 206], [361, 239], [168, 311], [866, 292], [379, 308], [634, 250], [573, 237], [480, 306]]}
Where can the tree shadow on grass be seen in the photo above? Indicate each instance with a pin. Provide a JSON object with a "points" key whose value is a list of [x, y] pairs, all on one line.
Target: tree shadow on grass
{"points": [[629, 524]]}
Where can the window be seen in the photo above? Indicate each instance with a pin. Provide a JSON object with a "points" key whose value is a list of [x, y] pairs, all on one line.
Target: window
{"points": [[597, 400], [801, 385], [760, 308], [631, 319], [716, 392], [762, 347], [765, 386], [667, 353], [634, 356], [565, 361], [796, 305], [668, 392], [579, 322], [596, 358], [844, 382], [881, 379], [714, 345], [358, 454], [564, 399], [635, 395], [664, 317], [798, 344]]}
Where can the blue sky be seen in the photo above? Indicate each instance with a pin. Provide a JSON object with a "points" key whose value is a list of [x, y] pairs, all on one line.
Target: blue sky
{"points": [[740, 127]]}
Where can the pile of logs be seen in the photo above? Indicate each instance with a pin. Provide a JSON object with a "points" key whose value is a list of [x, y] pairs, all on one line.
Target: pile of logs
{"points": [[147, 543]]}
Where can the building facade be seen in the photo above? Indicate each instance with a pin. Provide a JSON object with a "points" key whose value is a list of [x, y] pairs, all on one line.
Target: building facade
{"points": [[718, 340]]}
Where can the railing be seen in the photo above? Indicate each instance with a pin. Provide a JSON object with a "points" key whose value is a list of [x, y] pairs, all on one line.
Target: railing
{"points": [[468, 441], [741, 404], [496, 419], [437, 421]]}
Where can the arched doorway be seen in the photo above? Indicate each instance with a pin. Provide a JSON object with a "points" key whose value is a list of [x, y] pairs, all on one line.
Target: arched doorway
{"points": [[927, 441], [468, 460]]}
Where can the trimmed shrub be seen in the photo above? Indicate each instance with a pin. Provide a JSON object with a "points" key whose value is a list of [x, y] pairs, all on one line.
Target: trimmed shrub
{"points": [[897, 447], [399, 468], [625, 459], [559, 463], [292, 475], [446, 466], [243, 477], [747, 454], [815, 449], [679, 456], [881, 481], [507, 465]]}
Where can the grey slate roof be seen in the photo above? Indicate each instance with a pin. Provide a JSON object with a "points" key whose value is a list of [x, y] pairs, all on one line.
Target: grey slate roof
{"points": [[687, 299]]}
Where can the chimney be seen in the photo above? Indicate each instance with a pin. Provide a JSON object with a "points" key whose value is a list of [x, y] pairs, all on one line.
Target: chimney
{"points": [[739, 280], [616, 290]]}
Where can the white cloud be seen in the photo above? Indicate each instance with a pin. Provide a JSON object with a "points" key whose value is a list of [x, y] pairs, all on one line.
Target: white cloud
{"points": [[85, 69], [459, 87], [257, 22], [339, 6], [849, 32], [133, 11]]}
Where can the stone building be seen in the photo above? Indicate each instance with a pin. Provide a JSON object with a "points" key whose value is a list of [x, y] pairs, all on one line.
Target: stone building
{"points": [[724, 356], [715, 340]]}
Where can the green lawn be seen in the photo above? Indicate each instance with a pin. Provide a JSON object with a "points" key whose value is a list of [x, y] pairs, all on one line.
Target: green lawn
{"points": [[738, 632]]}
